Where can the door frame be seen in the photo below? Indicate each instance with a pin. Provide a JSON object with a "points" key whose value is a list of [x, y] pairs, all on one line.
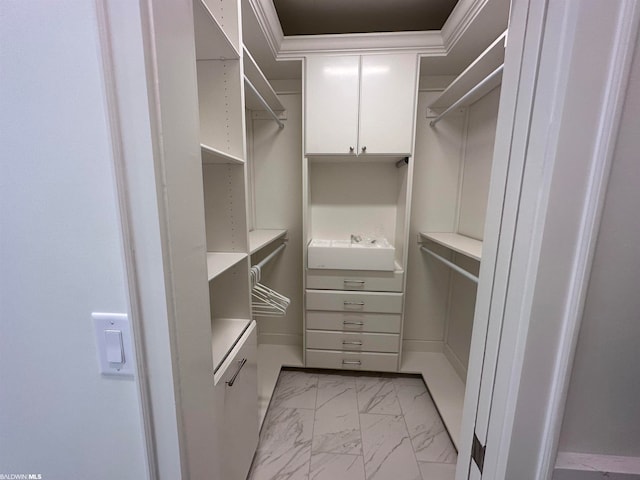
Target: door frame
{"points": [[551, 164]]}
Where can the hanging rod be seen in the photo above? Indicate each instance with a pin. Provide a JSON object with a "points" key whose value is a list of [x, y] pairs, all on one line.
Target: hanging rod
{"points": [[402, 162], [270, 257], [450, 264], [264, 103], [486, 80]]}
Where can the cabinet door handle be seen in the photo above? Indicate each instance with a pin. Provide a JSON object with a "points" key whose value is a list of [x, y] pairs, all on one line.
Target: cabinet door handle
{"points": [[364, 149], [351, 362], [350, 342], [351, 149], [350, 322], [354, 282], [360, 304], [240, 365]]}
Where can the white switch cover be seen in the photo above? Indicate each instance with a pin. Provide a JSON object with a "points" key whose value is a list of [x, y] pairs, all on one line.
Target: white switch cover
{"points": [[115, 352]]}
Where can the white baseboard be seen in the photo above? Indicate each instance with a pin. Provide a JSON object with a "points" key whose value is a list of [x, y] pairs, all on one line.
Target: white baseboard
{"points": [[587, 466], [458, 366], [422, 346], [279, 339]]}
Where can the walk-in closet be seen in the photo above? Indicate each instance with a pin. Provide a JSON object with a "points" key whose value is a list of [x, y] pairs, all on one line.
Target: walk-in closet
{"points": [[356, 238], [319, 239], [389, 182], [344, 214]]}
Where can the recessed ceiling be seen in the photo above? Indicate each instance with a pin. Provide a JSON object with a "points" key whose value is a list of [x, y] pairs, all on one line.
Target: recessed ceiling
{"points": [[317, 17]]}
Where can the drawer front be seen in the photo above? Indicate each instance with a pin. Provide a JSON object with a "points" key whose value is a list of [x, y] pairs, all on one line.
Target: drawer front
{"points": [[354, 321], [378, 362], [357, 281], [354, 302], [360, 342], [240, 420]]}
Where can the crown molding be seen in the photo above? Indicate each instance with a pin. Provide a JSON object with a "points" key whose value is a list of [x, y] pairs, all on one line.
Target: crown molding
{"points": [[462, 16], [425, 43], [269, 22]]}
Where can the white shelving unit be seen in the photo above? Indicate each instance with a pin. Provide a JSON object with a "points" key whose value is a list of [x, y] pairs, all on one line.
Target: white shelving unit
{"points": [[212, 155], [212, 42], [481, 68], [467, 246], [255, 76], [259, 239], [225, 334], [220, 262]]}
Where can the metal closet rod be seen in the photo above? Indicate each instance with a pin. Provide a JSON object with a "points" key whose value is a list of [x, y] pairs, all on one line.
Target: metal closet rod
{"points": [[450, 264], [270, 257], [264, 103], [487, 79], [402, 162]]}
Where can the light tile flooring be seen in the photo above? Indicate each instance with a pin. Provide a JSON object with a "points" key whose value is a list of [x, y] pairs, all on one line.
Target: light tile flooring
{"points": [[350, 426]]}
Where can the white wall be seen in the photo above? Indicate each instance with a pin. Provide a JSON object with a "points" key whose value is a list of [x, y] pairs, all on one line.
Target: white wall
{"points": [[277, 157], [602, 413], [60, 252]]}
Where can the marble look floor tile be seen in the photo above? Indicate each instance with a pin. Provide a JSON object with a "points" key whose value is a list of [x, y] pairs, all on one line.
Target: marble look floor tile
{"points": [[387, 448], [329, 466], [437, 471], [284, 451], [337, 426], [429, 437], [377, 395], [295, 389]]}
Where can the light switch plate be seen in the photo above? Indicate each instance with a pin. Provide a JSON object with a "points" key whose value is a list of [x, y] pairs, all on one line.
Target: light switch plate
{"points": [[106, 324]]}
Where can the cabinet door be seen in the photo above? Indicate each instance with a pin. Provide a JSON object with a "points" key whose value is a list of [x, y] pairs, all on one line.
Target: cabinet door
{"points": [[387, 103], [240, 430], [331, 104]]}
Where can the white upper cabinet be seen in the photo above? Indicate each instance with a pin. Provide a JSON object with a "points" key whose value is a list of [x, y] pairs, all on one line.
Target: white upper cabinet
{"points": [[360, 105], [331, 104], [387, 103]]}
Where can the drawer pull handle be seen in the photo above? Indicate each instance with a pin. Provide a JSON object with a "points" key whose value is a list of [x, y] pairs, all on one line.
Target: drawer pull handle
{"points": [[357, 282], [348, 342], [359, 304], [240, 365], [349, 322], [351, 362]]}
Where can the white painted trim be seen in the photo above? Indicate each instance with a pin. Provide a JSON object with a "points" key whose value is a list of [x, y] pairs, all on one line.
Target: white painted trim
{"points": [[267, 18], [133, 300], [424, 43], [455, 362], [588, 462], [523, 46], [522, 418], [427, 43], [627, 31], [463, 15]]}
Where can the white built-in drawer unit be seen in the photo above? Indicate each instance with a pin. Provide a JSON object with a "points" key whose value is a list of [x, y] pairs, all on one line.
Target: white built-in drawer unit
{"points": [[379, 362], [354, 301], [237, 390], [372, 281], [354, 321], [354, 341]]}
